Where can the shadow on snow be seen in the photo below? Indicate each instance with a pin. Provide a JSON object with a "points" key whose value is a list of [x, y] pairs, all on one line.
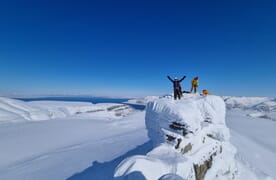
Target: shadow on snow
{"points": [[105, 170]]}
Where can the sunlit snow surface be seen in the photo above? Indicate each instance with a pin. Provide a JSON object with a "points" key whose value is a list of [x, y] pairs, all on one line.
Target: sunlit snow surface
{"points": [[240, 158], [78, 140], [55, 140]]}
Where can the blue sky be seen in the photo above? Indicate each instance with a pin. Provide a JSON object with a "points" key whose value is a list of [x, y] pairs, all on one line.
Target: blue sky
{"points": [[127, 48]]}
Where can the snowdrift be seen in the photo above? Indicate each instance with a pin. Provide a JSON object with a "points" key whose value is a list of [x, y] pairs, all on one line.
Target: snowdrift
{"points": [[12, 110], [191, 142]]}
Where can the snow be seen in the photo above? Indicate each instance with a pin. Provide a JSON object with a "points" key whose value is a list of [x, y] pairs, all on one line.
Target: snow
{"points": [[256, 107], [80, 140], [244, 102], [255, 140], [262, 107], [208, 136], [202, 116], [191, 111], [66, 143], [12, 110], [143, 101], [161, 160], [252, 124]]}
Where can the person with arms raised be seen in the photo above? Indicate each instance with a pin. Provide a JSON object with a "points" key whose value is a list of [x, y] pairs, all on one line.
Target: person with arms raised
{"points": [[177, 86]]}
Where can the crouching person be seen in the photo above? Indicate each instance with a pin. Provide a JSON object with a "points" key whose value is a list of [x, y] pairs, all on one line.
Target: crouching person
{"points": [[205, 92]]}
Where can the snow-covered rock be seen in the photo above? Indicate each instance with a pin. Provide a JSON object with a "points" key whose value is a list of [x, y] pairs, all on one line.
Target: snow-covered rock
{"points": [[191, 141]]}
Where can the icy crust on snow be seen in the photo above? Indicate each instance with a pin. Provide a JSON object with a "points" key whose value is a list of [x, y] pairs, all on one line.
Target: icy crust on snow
{"points": [[205, 143], [12, 110]]}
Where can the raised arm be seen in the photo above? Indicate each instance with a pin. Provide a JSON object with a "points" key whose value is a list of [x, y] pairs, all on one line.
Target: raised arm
{"points": [[182, 78], [170, 78]]}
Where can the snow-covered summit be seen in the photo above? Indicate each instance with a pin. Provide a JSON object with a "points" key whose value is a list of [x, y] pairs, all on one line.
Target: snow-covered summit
{"points": [[191, 141], [193, 112]]}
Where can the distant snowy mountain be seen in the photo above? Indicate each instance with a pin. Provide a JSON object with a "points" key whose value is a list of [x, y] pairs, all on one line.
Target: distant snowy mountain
{"points": [[250, 102], [12, 110], [143, 101], [262, 107]]}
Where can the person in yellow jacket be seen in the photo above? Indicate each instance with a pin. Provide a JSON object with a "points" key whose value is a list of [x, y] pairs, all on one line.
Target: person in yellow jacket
{"points": [[194, 85]]}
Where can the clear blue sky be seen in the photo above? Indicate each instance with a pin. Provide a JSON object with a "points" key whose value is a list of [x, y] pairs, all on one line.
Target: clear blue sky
{"points": [[129, 47]]}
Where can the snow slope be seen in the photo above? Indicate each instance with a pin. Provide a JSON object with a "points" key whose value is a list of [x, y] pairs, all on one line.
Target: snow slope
{"points": [[260, 107], [58, 140], [191, 141], [73, 136], [252, 124], [13, 110]]}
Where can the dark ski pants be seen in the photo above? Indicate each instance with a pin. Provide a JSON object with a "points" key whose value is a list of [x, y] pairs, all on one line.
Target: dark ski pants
{"points": [[177, 93], [193, 88]]}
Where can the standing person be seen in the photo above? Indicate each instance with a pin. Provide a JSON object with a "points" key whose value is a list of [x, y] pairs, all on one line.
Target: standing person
{"points": [[194, 84], [176, 87]]}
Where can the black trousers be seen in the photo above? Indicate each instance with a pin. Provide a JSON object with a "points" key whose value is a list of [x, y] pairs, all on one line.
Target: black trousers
{"points": [[193, 88], [177, 93]]}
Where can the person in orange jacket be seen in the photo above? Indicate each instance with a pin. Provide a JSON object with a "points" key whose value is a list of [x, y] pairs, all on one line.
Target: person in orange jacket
{"points": [[205, 92], [194, 85]]}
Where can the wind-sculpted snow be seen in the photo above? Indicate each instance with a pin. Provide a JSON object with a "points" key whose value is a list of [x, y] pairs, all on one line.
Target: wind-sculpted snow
{"points": [[191, 142], [192, 112], [12, 110]]}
